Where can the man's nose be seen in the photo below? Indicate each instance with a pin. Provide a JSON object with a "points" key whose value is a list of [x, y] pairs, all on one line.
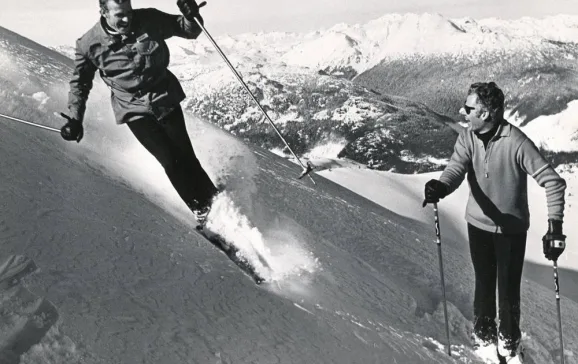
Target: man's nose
{"points": [[462, 111]]}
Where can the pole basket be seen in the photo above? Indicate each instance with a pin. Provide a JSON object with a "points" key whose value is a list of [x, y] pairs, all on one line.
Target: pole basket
{"points": [[308, 169]]}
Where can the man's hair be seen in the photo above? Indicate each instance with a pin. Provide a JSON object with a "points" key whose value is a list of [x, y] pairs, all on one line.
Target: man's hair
{"points": [[104, 8], [489, 95]]}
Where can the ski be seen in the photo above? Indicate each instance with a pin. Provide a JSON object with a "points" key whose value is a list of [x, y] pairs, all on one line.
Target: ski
{"points": [[233, 253]]}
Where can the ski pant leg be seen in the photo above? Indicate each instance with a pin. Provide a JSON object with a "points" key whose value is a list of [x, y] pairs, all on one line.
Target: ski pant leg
{"points": [[169, 143], [192, 172], [485, 268], [510, 251]]}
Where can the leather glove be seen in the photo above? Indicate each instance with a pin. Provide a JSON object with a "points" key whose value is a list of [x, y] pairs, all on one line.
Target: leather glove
{"points": [[434, 191], [72, 130], [190, 9], [554, 242]]}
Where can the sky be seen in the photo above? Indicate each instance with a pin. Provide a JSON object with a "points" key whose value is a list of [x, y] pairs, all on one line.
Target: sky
{"points": [[61, 22]]}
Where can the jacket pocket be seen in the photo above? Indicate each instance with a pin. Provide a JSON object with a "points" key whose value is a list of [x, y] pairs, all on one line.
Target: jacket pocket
{"points": [[147, 52]]}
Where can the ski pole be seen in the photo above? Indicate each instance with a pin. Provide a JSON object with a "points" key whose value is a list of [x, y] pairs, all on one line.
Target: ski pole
{"points": [[306, 169], [30, 123], [557, 285], [439, 243]]}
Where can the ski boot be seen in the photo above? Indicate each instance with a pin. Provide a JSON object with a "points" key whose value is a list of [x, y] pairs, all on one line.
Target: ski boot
{"points": [[508, 355], [201, 215], [487, 350]]}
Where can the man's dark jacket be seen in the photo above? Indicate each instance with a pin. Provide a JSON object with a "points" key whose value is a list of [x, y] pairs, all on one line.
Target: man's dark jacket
{"points": [[134, 67]]}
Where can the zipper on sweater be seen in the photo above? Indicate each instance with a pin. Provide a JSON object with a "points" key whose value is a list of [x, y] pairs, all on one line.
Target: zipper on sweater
{"points": [[487, 157]]}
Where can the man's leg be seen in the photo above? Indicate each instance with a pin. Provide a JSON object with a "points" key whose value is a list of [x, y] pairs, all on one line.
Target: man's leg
{"points": [[485, 268], [510, 251], [190, 171], [154, 137]]}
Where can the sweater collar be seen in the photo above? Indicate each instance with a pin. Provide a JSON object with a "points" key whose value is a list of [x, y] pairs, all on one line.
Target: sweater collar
{"points": [[504, 129]]}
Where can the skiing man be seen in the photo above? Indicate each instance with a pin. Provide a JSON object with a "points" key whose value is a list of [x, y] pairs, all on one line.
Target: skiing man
{"points": [[497, 157], [128, 49]]}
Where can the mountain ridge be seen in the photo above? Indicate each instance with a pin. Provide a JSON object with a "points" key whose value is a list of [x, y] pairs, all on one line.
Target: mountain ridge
{"points": [[426, 58]]}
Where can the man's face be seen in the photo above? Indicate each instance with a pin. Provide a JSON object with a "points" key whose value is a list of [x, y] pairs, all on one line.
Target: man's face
{"points": [[118, 16], [475, 114]]}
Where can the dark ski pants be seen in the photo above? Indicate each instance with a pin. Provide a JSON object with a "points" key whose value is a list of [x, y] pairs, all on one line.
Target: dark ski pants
{"points": [[497, 256], [167, 140]]}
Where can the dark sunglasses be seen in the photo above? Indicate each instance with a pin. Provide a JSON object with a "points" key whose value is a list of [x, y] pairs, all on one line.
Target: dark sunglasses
{"points": [[468, 109]]}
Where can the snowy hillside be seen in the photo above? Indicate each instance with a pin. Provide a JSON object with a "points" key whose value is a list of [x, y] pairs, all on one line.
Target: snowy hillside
{"points": [[316, 111], [425, 58], [313, 111], [393, 36], [533, 61], [100, 264], [301, 79]]}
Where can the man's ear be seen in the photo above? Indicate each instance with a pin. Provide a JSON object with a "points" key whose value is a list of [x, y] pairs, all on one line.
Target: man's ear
{"points": [[485, 116]]}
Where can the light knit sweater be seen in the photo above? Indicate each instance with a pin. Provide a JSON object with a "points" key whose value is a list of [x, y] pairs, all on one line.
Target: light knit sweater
{"points": [[497, 176]]}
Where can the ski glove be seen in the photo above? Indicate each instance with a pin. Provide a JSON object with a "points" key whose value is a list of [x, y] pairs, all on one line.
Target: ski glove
{"points": [[554, 241], [190, 9], [434, 191], [72, 130]]}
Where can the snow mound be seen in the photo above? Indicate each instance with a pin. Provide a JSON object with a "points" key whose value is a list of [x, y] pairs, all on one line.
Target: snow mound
{"points": [[562, 129], [226, 220]]}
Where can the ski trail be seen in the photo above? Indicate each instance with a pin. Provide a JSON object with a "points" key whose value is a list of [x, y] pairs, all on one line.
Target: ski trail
{"points": [[25, 317], [405, 344], [29, 330]]}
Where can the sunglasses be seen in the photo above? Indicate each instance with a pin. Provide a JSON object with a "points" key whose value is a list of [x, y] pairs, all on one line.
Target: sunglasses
{"points": [[468, 109]]}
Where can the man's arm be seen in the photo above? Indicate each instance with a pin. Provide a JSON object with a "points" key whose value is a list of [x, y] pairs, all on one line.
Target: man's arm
{"points": [[534, 164], [455, 172], [80, 84]]}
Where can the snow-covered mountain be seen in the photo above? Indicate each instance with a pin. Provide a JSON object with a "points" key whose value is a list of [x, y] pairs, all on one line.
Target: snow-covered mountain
{"points": [[302, 80], [120, 276], [359, 47], [315, 112], [425, 58], [532, 60]]}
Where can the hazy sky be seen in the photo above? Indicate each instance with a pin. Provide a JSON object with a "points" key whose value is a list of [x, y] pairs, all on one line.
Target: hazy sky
{"points": [[55, 22]]}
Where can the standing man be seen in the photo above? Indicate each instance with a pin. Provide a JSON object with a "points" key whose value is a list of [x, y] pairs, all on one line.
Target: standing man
{"points": [[497, 158], [127, 47]]}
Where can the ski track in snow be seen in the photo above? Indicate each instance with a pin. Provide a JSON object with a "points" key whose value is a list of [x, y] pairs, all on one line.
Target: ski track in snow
{"points": [[29, 332]]}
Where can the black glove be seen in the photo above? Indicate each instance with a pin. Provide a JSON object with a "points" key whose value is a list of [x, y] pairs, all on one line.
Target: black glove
{"points": [[434, 191], [190, 9], [72, 130], [554, 241]]}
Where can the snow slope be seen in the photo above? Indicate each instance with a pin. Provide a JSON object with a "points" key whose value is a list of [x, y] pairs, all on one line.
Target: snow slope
{"points": [[558, 132], [125, 279], [123, 272]]}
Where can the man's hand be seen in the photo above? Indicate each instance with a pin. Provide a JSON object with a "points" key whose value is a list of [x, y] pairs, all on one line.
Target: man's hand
{"points": [[434, 191], [72, 130], [554, 241], [190, 9]]}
